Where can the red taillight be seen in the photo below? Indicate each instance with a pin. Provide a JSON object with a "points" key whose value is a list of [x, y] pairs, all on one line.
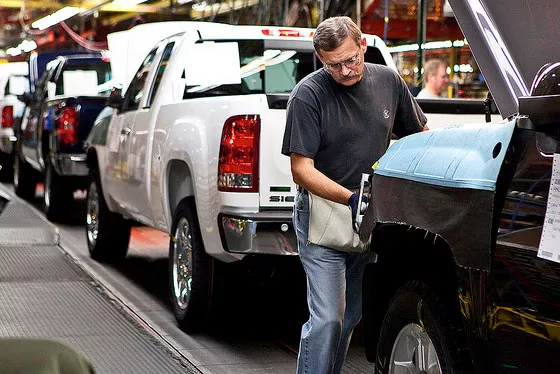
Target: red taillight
{"points": [[66, 126], [238, 168], [282, 32], [7, 119]]}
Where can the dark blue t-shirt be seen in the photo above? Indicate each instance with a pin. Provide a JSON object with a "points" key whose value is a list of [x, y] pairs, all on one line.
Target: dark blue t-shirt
{"points": [[345, 130]]}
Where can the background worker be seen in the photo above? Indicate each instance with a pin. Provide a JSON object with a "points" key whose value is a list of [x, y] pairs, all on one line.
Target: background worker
{"points": [[435, 80], [339, 122]]}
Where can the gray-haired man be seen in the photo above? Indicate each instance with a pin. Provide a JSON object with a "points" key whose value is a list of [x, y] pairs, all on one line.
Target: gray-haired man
{"points": [[339, 122]]}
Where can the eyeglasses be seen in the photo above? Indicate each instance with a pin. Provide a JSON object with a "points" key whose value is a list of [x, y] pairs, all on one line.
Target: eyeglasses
{"points": [[350, 63]]}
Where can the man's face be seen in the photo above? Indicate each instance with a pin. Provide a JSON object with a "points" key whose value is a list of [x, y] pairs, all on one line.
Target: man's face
{"points": [[440, 79], [345, 63]]}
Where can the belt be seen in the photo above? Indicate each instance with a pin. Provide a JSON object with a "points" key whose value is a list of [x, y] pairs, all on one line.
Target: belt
{"points": [[304, 191]]}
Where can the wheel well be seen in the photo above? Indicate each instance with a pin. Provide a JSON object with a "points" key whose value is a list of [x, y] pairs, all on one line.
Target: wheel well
{"points": [[45, 144], [406, 253], [179, 184], [91, 159]]}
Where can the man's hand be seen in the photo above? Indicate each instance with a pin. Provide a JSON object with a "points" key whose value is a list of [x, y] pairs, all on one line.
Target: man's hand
{"points": [[353, 204]]}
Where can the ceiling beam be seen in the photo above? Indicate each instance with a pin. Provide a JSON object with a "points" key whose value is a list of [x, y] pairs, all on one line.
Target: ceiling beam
{"points": [[153, 8], [140, 8], [102, 5], [31, 4], [221, 8]]}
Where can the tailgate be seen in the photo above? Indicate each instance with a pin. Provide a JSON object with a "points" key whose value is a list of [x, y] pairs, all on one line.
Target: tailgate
{"points": [[276, 187]]}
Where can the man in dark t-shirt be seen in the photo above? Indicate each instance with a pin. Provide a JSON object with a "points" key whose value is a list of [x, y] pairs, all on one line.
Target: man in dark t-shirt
{"points": [[339, 122]]}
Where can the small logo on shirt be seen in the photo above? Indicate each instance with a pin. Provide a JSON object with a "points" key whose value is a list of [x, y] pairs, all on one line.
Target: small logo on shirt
{"points": [[386, 114]]}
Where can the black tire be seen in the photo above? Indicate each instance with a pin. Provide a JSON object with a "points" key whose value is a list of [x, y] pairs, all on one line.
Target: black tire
{"points": [[58, 196], [7, 170], [189, 265], [25, 180], [107, 233], [417, 314]]}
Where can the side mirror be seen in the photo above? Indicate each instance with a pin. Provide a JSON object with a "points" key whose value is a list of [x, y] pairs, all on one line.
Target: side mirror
{"points": [[25, 98], [115, 99], [540, 113], [543, 111]]}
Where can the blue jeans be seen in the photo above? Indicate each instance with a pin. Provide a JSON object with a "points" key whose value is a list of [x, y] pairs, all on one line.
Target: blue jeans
{"points": [[334, 298]]}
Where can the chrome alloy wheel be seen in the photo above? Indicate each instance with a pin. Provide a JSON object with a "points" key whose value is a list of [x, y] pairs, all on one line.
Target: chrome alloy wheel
{"points": [[48, 183], [92, 209], [182, 263], [17, 167], [414, 352]]}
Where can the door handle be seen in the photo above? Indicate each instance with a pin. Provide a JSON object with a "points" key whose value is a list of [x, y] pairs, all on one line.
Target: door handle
{"points": [[126, 131]]}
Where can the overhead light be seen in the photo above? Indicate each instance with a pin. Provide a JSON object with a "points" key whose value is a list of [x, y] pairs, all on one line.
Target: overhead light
{"points": [[14, 51], [24, 46], [56, 17], [438, 44], [428, 45], [27, 45], [463, 68], [127, 3]]}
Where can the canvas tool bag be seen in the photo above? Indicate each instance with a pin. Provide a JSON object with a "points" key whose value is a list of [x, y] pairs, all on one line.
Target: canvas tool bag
{"points": [[330, 225]]}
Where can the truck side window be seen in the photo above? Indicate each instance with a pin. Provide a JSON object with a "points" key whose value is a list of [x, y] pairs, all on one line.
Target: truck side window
{"points": [[264, 70], [101, 68], [138, 85], [374, 56], [161, 69]]}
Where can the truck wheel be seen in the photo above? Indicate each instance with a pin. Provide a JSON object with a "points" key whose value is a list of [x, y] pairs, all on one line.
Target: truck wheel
{"points": [[58, 197], [190, 270], [415, 335], [7, 170], [24, 179], [107, 233]]}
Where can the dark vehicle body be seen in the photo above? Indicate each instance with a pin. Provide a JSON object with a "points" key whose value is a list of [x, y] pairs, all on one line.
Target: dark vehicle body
{"points": [[58, 117], [465, 220]]}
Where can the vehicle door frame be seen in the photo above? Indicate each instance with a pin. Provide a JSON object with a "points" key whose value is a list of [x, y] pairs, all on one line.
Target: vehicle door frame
{"points": [[36, 113], [141, 142], [122, 125]]}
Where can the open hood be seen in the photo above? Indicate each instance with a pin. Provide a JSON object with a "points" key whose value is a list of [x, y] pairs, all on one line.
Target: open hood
{"points": [[510, 40]]}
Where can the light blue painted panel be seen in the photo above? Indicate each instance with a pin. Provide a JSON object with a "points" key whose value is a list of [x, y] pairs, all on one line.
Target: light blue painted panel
{"points": [[464, 156]]}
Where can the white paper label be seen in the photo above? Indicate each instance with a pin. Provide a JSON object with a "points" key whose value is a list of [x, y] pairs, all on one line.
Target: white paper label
{"points": [[18, 85], [210, 64], [549, 247], [80, 82]]}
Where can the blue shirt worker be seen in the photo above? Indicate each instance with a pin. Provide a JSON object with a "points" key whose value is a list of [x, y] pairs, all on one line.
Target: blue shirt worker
{"points": [[339, 122]]}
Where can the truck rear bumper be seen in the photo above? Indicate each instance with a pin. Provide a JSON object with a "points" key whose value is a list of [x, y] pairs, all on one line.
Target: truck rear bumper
{"points": [[269, 233], [71, 164]]}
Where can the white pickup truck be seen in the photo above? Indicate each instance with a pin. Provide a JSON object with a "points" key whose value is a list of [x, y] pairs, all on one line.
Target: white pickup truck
{"points": [[192, 148], [13, 82]]}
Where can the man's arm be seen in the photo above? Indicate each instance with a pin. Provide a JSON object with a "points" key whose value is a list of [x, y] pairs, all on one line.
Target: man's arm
{"points": [[311, 179]]}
